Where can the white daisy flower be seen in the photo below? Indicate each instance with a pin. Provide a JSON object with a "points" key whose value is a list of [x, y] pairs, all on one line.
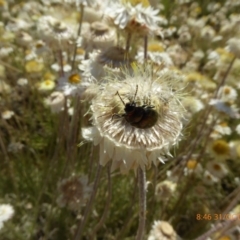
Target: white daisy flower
{"points": [[209, 179], [22, 81], [123, 14], [238, 129], [55, 101], [219, 149], [234, 46], [217, 169], [227, 94], [73, 84], [223, 129], [7, 114], [6, 212], [162, 230]]}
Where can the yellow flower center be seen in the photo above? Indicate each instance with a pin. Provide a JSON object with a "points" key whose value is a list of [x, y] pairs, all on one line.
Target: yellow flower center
{"points": [[145, 3], [198, 10], [80, 51], [74, 78], [38, 45], [48, 82], [220, 147], [194, 76], [223, 124], [227, 90], [192, 164], [2, 3], [224, 238], [155, 47]]}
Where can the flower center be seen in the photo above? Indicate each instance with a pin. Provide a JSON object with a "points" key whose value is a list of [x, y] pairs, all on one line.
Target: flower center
{"points": [[225, 238], [223, 124], [74, 78], [221, 147], [2, 2], [58, 26], [155, 47], [217, 167], [47, 82], [192, 164], [145, 3], [227, 91], [99, 28], [39, 45]]}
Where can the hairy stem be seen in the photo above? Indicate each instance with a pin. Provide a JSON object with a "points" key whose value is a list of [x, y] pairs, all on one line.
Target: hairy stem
{"points": [[142, 203]]}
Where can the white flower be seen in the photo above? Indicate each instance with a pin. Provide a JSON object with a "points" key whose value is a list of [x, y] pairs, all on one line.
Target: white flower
{"points": [[57, 34], [234, 46], [209, 179], [17, 24], [217, 169], [160, 58], [91, 67], [193, 167], [192, 104], [99, 36], [5, 51], [123, 14], [55, 101], [120, 13], [227, 93], [7, 114], [66, 67], [147, 16], [208, 33], [81, 2], [162, 230], [224, 107], [6, 212], [136, 137], [73, 84], [223, 129], [238, 129], [22, 82], [219, 149]]}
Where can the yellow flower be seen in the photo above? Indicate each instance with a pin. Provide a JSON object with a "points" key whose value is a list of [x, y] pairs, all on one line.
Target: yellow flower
{"points": [[34, 66]]}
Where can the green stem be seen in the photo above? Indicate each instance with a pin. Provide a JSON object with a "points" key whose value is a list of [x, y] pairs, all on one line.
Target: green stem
{"points": [[78, 34], [89, 204]]}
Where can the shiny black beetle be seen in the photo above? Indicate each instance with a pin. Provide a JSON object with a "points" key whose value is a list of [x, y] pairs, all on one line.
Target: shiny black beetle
{"points": [[138, 116]]}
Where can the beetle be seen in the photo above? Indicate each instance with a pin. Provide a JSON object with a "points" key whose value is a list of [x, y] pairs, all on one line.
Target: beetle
{"points": [[143, 117]]}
